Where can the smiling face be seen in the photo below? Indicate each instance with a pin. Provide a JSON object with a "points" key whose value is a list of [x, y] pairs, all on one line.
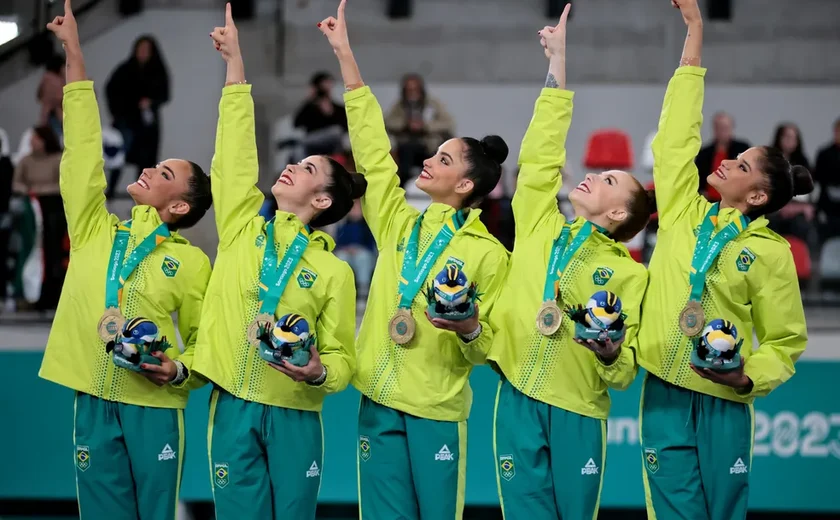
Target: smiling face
{"points": [[302, 187], [163, 187], [604, 195], [741, 180], [443, 174]]}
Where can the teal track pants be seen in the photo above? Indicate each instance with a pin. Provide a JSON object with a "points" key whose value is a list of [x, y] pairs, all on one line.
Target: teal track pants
{"points": [[265, 461], [410, 468], [549, 461], [696, 453], [128, 459]]}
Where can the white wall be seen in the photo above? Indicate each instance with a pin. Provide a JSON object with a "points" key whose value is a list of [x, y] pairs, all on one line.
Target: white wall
{"points": [[506, 110], [197, 75]]}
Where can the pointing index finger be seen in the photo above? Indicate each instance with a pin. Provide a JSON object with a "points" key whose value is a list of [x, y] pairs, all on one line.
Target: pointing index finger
{"points": [[341, 10], [67, 8], [228, 15], [565, 15]]}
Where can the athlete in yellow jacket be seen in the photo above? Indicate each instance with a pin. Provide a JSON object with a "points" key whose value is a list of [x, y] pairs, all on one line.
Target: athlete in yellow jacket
{"points": [[717, 275], [265, 432], [553, 401], [128, 421], [413, 371]]}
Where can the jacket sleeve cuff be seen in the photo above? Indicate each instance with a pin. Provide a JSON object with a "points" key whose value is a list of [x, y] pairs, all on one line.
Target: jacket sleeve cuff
{"points": [[356, 94], [558, 93], [85, 84], [694, 71]]}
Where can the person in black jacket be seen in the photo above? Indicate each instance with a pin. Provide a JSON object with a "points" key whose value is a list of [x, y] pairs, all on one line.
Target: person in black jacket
{"points": [[827, 175], [724, 147], [136, 91]]}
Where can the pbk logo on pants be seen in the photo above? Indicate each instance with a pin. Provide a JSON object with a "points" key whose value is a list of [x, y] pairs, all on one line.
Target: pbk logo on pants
{"points": [[82, 457], [221, 474]]}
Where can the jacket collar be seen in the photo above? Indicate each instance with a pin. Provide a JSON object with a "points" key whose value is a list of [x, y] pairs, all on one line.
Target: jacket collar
{"points": [[145, 219], [287, 225]]}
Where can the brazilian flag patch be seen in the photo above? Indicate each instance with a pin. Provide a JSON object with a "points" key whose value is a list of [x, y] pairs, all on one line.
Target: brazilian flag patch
{"points": [[306, 278], [745, 260], [170, 266]]}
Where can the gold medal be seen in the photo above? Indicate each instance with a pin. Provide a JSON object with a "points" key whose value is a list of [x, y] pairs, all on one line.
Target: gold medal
{"points": [[402, 326], [549, 318], [264, 320], [692, 319], [110, 324]]}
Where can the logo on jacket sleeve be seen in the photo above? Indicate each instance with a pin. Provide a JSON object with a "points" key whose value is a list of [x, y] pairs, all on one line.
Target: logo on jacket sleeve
{"points": [[364, 447], [306, 278], [602, 275], [170, 266], [82, 457], [401, 245], [506, 468], [651, 460], [745, 260], [221, 474]]}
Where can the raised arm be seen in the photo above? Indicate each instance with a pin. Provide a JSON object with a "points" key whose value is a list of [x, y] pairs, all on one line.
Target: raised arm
{"points": [[677, 140], [235, 168], [384, 201], [82, 179], [543, 151]]}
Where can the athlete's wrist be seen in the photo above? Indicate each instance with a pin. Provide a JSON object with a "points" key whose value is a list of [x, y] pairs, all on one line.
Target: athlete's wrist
{"points": [[608, 359], [181, 373], [321, 379], [746, 386], [466, 338]]}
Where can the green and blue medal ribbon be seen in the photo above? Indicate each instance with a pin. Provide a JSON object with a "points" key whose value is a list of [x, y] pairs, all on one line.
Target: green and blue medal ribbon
{"points": [[562, 251], [274, 277], [414, 273], [708, 247], [120, 268]]}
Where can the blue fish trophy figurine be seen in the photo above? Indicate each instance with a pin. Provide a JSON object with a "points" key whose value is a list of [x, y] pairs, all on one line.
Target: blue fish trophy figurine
{"points": [[289, 340], [451, 296], [134, 344], [718, 348], [600, 319]]}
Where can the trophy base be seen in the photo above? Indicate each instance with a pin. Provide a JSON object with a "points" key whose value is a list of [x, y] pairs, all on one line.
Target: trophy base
{"points": [[299, 358], [439, 311], [123, 362], [585, 333], [716, 364]]}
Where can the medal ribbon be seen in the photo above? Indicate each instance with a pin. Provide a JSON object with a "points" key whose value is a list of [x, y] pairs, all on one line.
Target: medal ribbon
{"points": [[414, 273], [561, 255], [708, 248], [275, 276], [120, 267]]}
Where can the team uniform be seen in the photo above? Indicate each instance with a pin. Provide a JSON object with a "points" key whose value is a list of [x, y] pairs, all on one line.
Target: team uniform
{"points": [[552, 403], [416, 396], [265, 433], [696, 435], [128, 432]]}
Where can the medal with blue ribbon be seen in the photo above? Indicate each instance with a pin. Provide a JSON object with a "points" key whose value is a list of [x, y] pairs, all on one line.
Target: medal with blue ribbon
{"points": [[550, 316], [413, 274], [707, 249], [274, 277], [119, 269]]}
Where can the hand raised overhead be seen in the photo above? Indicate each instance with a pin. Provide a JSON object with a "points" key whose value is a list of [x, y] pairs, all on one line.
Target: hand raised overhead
{"points": [[335, 29], [64, 27], [226, 39], [553, 39]]}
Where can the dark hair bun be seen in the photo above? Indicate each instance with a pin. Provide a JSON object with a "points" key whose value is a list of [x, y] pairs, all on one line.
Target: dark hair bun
{"points": [[803, 183], [651, 200], [495, 148], [358, 185]]}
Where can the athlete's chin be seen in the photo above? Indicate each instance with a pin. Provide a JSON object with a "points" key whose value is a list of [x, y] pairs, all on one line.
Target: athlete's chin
{"points": [[136, 193]]}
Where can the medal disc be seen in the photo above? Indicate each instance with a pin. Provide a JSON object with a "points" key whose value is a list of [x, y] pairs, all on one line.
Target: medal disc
{"points": [[110, 324], [692, 319], [264, 320], [402, 327], [549, 318]]}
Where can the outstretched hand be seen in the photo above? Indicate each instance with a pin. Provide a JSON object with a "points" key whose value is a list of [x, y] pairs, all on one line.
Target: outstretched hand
{"points": [[689, 10], [335, 29], [553, 39], [64, 27], [226, 39], [309, 372]]}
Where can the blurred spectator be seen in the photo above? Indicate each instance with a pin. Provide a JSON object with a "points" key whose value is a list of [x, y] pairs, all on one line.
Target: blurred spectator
{"points": [[6, 173], [797, 217], [136, 91], [355, 245], [323, 120], [723, 147], [827, 177], [51, 93], [36, 175], [419, 123]]}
